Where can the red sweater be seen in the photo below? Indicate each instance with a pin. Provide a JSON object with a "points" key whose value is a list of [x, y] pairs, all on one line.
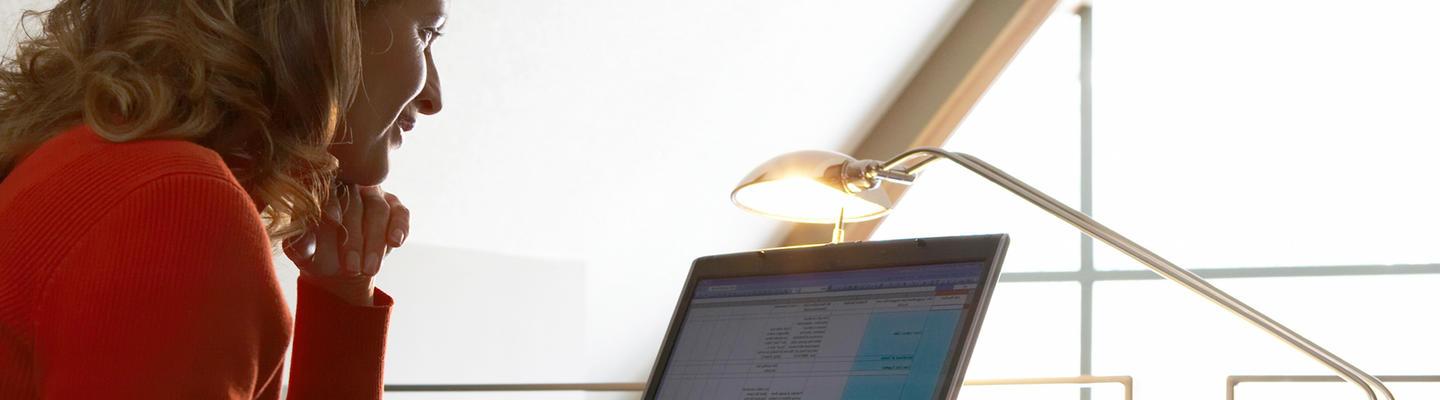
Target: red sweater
{"points": [[142, 270]]}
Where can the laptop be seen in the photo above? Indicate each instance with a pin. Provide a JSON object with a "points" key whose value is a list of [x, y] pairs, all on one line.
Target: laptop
{"points": [[867, 320]]}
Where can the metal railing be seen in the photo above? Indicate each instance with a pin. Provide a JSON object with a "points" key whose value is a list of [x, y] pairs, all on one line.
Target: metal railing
{"points": [[1126, 382], [1235, 380]]}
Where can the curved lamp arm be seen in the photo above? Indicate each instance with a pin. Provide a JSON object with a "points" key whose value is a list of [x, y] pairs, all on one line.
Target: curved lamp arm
{"points": [[902, 169]]}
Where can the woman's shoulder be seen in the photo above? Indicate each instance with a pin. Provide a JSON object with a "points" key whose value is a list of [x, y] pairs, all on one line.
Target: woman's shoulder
{"points": [[78, 178], [82, 150], [80, 188], [79, 161]]}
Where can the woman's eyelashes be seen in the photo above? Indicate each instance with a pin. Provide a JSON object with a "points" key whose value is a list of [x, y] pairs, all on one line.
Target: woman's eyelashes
{"points": [[428, 35]]}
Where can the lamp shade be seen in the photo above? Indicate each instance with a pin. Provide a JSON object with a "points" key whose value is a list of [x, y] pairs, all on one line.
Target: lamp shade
{"points": [[807, 186]]}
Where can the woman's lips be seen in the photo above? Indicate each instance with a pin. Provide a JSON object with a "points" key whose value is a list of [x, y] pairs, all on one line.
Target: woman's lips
{"points": [[405, 122]]}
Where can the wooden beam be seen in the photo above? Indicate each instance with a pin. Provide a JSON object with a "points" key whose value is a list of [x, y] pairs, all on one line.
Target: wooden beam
{"points": [[942, 92]]}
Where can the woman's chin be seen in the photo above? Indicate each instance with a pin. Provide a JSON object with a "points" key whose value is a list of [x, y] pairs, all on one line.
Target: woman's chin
{"points": [[365, 182], [364, 175], [365, 163]]}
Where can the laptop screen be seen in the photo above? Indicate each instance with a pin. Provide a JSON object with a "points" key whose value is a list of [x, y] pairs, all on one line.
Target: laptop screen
{"points": [[880, 333]]}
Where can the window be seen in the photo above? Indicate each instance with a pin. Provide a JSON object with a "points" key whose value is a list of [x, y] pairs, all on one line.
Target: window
{"points": [[1282, 133], [1283, 149]]}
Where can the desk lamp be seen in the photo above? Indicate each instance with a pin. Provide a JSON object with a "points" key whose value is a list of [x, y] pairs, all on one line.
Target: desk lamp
{"points": [[811, 186]]}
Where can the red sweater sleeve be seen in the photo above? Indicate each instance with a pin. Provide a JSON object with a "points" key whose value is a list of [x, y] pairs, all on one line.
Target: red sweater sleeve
{"points": [[339, 347], [171, 294]]}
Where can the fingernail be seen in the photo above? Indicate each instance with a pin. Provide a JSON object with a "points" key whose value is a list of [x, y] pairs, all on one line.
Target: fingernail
{"points": [[333, 211], [372, 264], [397, 237], [352, 261]]}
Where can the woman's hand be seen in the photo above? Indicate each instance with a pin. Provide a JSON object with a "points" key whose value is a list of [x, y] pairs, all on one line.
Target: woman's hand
{"points": [[343, 253]]}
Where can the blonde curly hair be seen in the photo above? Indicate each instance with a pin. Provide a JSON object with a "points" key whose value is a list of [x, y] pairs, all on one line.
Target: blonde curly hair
{"points": [[263, 83]]}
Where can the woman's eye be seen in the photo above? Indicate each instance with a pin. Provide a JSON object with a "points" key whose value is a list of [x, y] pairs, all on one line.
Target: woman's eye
{"points": [[430, 34]]}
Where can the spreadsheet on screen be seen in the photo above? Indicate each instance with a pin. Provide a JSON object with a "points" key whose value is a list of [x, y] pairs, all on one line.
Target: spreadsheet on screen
{"points": [[882, 333]]}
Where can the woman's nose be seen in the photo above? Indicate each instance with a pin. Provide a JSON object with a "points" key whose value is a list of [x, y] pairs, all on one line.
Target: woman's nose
{"points": [[429, 102]]}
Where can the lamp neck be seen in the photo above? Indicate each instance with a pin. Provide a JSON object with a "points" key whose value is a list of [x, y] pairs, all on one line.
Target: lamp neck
{"points": [[862, 175]]}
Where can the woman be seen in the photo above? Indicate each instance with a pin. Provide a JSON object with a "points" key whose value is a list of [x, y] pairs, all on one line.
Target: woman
{"points": [[154, 152]]}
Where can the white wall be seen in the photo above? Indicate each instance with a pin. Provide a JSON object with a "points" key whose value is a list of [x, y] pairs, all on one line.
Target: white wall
{"points": [[467, 316], [611, 133], [10, 11], [599, 141]]}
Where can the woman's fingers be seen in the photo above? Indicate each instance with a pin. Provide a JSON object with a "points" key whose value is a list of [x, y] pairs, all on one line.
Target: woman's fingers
{"points": [[327, 257], [353, 231], [377, 214], [359, 227], [301, 249], [399, 227]]}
